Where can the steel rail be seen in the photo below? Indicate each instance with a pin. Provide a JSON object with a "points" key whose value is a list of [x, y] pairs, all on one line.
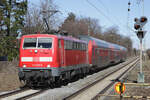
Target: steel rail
{"points": [[31, 95], [106, 88], [13, 92], [95, 82]]}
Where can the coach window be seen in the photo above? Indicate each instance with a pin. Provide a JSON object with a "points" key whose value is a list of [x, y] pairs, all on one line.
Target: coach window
{"points": [[65, 44], [82, 46], [70, 44], [77, 45], [73, 45], [85, 46], [59, 43]]}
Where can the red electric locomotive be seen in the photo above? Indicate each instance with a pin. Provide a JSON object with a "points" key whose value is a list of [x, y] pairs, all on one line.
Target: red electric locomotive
{"points": [[48, 58]]}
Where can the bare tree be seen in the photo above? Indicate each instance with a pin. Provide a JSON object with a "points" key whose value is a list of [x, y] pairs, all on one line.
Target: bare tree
{"points": [[111, 35], [93, 25], [77, 26], [48, 11], [35, 15]]}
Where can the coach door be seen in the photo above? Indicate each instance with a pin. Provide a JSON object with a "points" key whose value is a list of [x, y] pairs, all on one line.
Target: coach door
{"points": [[61, 52]]}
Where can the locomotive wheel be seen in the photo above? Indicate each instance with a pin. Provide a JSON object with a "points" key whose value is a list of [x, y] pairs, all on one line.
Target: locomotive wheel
{"points": [[51, 84], [58, 82], [81, 76], [23, 82]]}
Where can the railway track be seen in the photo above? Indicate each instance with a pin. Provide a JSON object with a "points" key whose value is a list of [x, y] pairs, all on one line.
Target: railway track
{"points": [[21, 94], [92, 91], [13, 92], [26, 93]]}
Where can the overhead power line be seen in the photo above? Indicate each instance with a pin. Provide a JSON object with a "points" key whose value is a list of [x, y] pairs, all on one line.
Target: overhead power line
{"points": [[107, 10], [117, 19], [102, 13]]}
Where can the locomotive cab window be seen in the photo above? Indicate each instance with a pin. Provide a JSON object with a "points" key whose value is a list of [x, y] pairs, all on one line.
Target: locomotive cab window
{"points": [[29, 43], [44, 42], [37, 43]]}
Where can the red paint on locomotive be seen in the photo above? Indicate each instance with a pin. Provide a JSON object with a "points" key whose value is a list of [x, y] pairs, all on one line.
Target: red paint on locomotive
{"points": [[47, 57]]}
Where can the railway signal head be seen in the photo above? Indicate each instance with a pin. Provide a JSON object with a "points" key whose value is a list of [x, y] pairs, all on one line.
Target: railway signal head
{"points": [[136, 20], [143, 20], [139, 23], [137, 26]]}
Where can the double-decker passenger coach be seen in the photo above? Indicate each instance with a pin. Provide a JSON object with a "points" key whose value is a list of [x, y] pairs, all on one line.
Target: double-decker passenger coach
{"points": [[102, 53]]}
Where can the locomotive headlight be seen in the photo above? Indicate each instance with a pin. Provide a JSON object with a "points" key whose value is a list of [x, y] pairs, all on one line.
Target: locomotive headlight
{"points": [[24, 66], [48, 66], [35, 51]]}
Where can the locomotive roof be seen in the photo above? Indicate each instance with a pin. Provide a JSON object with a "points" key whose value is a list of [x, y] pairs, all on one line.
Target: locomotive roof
{"points": [[59, 36], [101, 43], [71, 38]]}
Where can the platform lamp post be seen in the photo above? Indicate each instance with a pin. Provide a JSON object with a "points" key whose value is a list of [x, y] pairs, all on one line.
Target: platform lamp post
{"points": [[139, 23]]}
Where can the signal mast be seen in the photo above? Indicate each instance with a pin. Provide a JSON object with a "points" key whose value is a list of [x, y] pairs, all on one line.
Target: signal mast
{"points": [[139, 24]]}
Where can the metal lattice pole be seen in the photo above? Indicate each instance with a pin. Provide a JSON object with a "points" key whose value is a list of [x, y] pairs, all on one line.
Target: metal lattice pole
{"points": [[141, 56]]}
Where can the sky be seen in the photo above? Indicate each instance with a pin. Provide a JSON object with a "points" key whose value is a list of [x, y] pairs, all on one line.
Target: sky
{"points": [[109, 13]]}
